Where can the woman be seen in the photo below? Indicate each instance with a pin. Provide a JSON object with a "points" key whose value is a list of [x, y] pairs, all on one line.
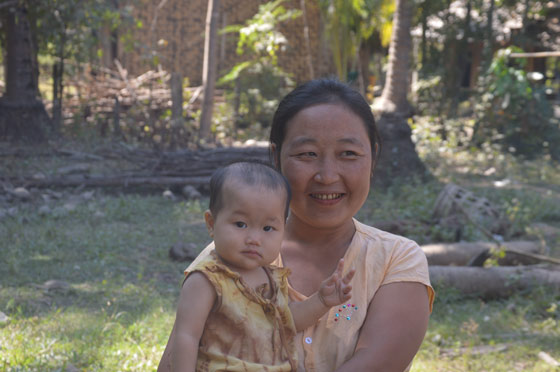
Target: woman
{"points": [[324, 140]]}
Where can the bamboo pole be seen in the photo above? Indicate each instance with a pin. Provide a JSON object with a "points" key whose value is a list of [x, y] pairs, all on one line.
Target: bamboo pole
{"points": [[536, 54]]}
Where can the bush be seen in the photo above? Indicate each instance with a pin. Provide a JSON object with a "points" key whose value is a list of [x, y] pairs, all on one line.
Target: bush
{"points": [[513, 112]]}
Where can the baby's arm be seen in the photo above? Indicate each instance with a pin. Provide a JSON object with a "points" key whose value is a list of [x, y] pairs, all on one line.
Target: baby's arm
{"points": [[195, 303], [335, 290]]}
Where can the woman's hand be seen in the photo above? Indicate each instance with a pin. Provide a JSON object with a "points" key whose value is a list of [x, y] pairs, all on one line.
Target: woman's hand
{"points": [[336, 289]]}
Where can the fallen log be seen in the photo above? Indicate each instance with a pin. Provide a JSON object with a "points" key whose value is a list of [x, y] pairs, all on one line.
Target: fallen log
{"points": [[156, 169], [115, 181], [473, 350], [493, 282], [460, 254], [548, 359]]}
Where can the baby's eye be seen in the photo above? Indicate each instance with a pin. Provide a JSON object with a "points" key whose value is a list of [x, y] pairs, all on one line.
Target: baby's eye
{"points": [[268, 228], [241, 224]]}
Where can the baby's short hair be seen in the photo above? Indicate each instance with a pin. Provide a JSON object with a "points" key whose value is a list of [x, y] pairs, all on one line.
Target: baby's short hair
{"points": [[250, 173]]}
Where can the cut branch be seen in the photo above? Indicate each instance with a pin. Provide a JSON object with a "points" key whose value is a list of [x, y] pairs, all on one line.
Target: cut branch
{"points": [[8, 3], [536, 54], [493, 282], [116, 181], [153, 169], [460, 254]]}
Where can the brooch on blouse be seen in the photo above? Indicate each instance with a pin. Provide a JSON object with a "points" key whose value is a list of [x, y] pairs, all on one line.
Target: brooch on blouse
{"points": [[345, 312]]}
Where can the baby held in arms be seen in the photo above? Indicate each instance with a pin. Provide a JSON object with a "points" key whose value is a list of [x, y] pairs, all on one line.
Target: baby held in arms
{"points": [[234, 313]]}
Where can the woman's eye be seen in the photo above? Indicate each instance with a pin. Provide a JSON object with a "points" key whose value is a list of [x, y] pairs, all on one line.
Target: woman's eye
{"points": [[268, 228], [241, 224], [307, 154], [349, 153]]}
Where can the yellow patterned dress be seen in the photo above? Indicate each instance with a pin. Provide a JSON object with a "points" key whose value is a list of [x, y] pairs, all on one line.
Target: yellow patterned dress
{"points": [[245, 331]]}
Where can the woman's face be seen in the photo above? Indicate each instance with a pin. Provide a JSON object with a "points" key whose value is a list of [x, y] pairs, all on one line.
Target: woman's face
{"points": [[326, 157]]}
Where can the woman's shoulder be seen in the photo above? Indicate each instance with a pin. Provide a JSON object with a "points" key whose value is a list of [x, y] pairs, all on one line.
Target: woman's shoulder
{"points": [[389, 258], [373, 236]]}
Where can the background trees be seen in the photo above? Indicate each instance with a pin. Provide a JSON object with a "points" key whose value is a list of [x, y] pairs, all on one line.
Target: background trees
{"points": [[436, 65], [22, 114], [61, 30]]}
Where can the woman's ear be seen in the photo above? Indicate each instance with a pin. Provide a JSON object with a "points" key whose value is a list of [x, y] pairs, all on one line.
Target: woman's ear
{"points": [[374, 159], [275, 155], [209, 219]]}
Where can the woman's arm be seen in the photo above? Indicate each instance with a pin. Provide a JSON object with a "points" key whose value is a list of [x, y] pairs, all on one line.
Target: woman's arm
{"points": [[395, 325], [195, 303]]}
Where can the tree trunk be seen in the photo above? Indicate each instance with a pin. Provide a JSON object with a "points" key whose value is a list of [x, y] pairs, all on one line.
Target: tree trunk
{"points": [[461, 254], [394, 96], [489, 44], [398, 158], [494, 282], [209, 68], [58, 86], [424, 42], [176, 84], [22, 114], [308, 57]]}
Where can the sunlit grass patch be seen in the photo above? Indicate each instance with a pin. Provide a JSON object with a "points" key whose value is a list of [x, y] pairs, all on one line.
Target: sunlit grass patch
{"points": [[468, 334]]}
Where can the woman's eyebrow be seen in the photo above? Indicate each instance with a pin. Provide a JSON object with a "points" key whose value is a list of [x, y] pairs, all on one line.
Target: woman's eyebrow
{"points": [[299, 141], [351, 141]]}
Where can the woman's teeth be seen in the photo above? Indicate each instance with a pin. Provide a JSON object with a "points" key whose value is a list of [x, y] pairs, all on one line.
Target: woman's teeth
{"points": [[326, 196]]}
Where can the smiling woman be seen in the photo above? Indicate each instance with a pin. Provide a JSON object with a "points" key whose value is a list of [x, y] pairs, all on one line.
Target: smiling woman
{"points": [[327, 164], [325, 142]]}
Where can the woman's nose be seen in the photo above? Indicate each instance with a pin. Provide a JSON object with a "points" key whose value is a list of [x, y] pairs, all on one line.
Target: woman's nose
{"points": [[327, 172]]}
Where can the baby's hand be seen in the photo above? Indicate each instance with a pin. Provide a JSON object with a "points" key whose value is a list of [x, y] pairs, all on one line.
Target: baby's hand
{"points": [[336, 289]]}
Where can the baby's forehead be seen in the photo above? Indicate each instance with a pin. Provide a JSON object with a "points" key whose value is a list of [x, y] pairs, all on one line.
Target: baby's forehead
{"points": [[234, 183]]}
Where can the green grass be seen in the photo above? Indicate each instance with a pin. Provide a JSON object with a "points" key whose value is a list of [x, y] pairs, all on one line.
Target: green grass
{"points": [[118, 310], [116, 315]]}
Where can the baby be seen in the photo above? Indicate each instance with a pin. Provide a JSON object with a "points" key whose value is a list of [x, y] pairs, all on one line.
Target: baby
{"points": [[234, 313]]}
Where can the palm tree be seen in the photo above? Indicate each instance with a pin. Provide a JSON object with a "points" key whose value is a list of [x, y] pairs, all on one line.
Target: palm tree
{"points": [[394, 96], [398, 156], [209, 68]]}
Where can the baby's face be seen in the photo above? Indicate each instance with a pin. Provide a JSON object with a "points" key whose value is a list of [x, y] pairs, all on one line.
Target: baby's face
{"points": [[248, 230]]}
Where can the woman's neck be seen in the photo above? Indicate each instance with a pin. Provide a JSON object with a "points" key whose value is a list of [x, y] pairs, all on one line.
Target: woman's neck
{"points": [[329, 240], [313, 253]]}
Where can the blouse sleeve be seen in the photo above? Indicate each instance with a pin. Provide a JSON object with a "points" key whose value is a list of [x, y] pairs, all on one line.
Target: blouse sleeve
{"points": [[409, 264]]}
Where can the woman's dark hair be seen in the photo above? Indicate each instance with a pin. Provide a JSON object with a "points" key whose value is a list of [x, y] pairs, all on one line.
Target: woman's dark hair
{"points": [[317, 92], [250, 173]]}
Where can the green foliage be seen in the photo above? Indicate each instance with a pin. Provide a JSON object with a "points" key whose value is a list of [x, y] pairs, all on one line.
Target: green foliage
{"points": [[70, 29], [258, 82], [259, 39], [348, 23], [513, 112]]}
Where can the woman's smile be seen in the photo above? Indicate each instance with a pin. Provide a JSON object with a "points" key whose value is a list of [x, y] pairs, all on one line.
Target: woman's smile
{"points": [[331, 196]]}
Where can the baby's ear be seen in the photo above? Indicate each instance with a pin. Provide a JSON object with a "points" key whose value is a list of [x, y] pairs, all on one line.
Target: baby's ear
{"points": [[209, 222]]}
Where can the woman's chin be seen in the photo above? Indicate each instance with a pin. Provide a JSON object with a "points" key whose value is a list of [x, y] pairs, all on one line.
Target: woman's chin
{"points": [[327, 221]]}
